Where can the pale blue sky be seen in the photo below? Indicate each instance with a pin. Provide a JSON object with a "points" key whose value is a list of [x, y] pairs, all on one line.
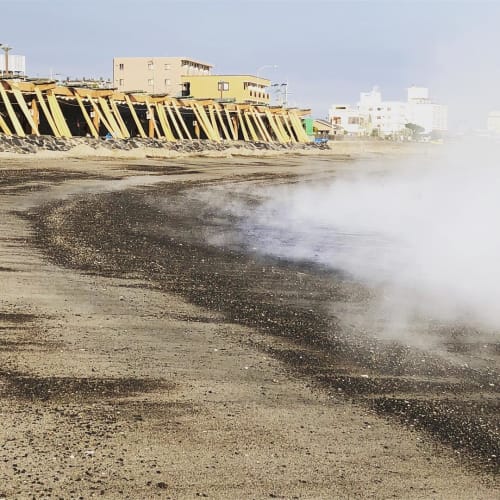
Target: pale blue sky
{"points": [[328, 50]]}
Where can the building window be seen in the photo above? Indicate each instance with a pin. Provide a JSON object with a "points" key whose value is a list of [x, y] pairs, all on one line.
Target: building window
{"points": [[121, 82], [167, 81], [121, 66], [167, 67], [150, 81], [151, 65], [186, 89]]}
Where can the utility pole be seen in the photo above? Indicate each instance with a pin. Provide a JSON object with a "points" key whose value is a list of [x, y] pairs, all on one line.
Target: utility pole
{"points": [[6, 50], [282, 90]]}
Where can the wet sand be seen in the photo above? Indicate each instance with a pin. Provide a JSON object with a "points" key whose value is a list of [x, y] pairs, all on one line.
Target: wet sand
{"points": [[140, 362]]}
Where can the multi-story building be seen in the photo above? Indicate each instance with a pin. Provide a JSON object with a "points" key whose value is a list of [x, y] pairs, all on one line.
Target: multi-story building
{"points": [[422, 111], [348, 119], [240, 88], [16, 65], [386, 117], [155, 75], [372, 114]]}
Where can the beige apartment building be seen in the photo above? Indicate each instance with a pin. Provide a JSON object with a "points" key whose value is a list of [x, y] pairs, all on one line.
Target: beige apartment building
{"points": [[155, 75], [238, 88]]}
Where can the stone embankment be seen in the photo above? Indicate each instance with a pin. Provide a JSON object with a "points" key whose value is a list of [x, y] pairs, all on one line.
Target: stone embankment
{"points": [[35, 144]]}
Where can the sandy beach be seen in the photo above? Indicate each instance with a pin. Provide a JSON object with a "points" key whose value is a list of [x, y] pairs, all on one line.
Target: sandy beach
{"points": [[138, 361]]}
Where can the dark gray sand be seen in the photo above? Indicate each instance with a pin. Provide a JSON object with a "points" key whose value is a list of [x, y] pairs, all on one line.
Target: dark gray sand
{"points": [[140, 362]]}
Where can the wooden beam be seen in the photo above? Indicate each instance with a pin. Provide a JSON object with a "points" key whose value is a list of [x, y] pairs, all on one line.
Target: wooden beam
{"points": [[287, 127], [279, 124], [160, 110], [36, 114], [135, 117], [199, 122], [221, 121], [260, 125], [119, 119], [234, 130], [10, 111], [174, 121], [44, 86], [99, 117], [24, 108], [25, 86], [62, 91], [213, 122], [297, 127], [116, 132], [181, 120], [254, 135], [46, 112], [93, 130], [153, 126], [214, 133], [205, 122], [4, 127], [274, 127], [59, 119], [242, 124]]}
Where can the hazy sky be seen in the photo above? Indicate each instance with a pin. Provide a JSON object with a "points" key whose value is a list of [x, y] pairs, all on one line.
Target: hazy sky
{"points": [[327, 50]]}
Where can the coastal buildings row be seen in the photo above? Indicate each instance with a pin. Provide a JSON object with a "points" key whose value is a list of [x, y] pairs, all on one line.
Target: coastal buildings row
{"points": [[172, 76], [45, 108], [186, 77], [374, 116], [166, 98]]}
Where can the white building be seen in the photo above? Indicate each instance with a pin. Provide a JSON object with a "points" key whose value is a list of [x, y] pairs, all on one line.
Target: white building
{"points": [[348, 118], [17, 64], [494, 122], [422, 111], [391, 117]]}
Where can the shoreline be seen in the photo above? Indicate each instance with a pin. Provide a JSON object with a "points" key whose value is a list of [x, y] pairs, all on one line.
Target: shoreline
{"points": [[136, 371], [50, 148]]}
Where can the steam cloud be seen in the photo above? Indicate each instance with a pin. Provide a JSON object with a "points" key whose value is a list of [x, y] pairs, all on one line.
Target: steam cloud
{"points": [[425, 231]]}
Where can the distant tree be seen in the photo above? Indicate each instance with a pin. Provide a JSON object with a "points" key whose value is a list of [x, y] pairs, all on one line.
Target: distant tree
{"points": [[414, 129]]}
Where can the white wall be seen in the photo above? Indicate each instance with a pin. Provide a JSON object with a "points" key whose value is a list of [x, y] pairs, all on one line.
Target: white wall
{"points": [[348, 118], [17, 64]]}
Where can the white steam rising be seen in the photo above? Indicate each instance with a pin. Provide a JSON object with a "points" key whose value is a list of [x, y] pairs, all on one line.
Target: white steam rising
{"points": [[426, 231]]}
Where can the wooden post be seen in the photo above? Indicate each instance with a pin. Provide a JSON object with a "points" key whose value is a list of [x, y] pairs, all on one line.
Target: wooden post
{"points": [[242, 124], [36, 115], [58, 115], [115, 128], [274, 127], [249, 124], [4, 127], [119, 118], [24, 109], [174, 121], [181, 120], [221, 121], [10, 111], [86, 116], [135, 117], [96, 121], [46, 111]]}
